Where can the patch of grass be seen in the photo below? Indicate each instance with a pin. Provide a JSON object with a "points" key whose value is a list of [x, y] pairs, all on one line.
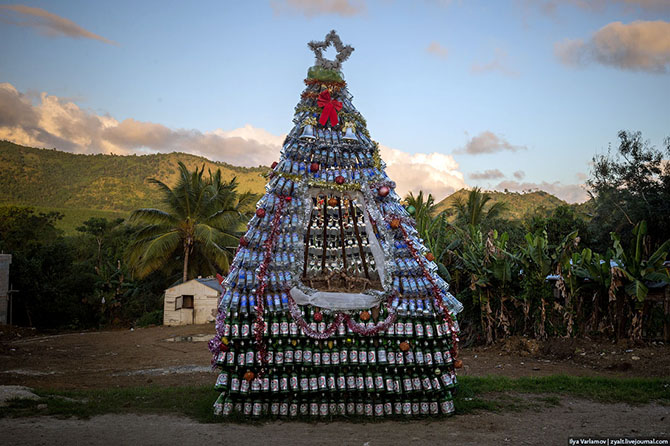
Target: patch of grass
{"points": [[602, 389], [490, 393]]}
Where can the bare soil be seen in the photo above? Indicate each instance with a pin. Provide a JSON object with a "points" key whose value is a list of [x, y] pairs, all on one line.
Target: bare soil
{"points": [[550, 426], [168, 356]]}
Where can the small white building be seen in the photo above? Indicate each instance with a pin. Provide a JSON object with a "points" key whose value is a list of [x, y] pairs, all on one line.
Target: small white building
{"points": [[192, 302]]}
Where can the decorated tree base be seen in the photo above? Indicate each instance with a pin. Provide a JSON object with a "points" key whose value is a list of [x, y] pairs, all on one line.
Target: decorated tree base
{"points": [[333, 306]]}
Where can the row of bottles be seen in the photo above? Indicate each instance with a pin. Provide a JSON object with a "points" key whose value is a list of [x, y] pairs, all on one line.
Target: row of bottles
{"points": [[334, 353], [390, 381], [323, 406]]}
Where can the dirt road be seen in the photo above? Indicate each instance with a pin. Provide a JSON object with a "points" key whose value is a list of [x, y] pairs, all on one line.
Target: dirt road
{"points": [[552, 426], [169, 356]]}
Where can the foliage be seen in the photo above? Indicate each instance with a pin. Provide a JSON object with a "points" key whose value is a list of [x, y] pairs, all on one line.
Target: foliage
{"points": [[474, 211], [200, 221], [324, 74], [78, 183], [628, 186]]}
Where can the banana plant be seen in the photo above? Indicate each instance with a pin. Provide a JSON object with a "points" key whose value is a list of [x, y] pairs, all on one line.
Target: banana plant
{"points": [[536, 263], [636, 272], [567, 281], [595, 280]]}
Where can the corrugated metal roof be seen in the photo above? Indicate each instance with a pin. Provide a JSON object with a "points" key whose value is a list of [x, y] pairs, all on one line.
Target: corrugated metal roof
{"points": [[212, 283]]}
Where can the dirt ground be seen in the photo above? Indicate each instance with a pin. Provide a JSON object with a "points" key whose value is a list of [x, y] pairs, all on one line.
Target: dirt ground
{"points": [[166, 356], [156, 356], [552, 426]]}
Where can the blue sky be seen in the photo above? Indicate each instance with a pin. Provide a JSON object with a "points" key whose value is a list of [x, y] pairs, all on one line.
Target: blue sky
{"points": [[487, 88]]}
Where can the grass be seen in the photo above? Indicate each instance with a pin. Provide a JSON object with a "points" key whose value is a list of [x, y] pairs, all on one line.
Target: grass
{"points": [[489, 393]]}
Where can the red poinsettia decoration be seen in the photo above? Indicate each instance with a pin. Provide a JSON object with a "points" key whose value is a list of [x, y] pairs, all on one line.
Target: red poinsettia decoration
{"points": [[330, 108]]}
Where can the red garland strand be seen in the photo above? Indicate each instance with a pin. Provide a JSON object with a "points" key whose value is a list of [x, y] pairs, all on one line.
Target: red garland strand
{"points": [[436, 291], [339, 319], [259, 323]]}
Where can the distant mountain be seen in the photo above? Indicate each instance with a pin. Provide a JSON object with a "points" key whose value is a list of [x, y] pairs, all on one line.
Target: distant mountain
{"points": [[84, 186], [517, 204], [51, 178]]}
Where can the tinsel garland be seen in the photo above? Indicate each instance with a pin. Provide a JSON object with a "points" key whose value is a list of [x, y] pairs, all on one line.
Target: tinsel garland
{"points": [[436, 291], [328, 84], [345, 116], [320, 184], [259, 323], [215, 343], [357, 328]]}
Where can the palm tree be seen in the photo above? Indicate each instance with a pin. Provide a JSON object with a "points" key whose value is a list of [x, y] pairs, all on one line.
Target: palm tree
{"points": [[423, 210], [472, 211], [202, 219]]}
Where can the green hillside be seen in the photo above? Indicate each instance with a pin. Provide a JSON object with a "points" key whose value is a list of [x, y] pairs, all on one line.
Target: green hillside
{"points": [[84, 186], [517, 204]]}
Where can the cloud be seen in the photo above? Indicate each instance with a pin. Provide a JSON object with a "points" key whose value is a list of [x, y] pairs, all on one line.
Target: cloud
{"points": [[638, 46], [54, 122], [312, 8], [489, 174], [46, 22], [488, 142], [572, 193], [519, 174], [433, 173], [499, 63], [58, 123], [550, 7], [581, 176], [437, 50]]}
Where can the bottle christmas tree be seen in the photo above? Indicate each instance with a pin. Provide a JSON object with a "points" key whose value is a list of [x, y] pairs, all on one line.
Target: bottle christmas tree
{"points": [[333, 306]]}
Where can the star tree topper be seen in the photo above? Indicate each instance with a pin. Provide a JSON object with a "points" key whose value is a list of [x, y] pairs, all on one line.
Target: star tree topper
{"points": [[343, 51]]}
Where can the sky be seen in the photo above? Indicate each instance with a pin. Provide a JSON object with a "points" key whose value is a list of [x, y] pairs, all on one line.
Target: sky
{"points": [[511, 94]]}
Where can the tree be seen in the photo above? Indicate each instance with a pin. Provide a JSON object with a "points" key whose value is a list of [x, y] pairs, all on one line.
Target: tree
{"points": [[202, 219], [628, 186], [423, 210], [474, 211]]}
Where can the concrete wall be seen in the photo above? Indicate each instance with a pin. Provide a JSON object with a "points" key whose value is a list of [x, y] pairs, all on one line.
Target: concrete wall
{"points": [[204, 304], [5, 260]]}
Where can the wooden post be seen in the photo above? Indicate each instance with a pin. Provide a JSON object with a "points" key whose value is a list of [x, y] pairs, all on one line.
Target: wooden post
{"points": [[325, 234], [344, 248], [358, 238], [306, 258]]}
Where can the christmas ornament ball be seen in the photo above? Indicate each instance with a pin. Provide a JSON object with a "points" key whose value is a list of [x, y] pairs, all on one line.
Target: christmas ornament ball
{"points": [[365, 316], [411, 209], [318, 316], [383, 191], [314, 167], [430, 257], [395, 223], [332, 202], [260, 212], [404, 346], [339, 179], [249, 375]]}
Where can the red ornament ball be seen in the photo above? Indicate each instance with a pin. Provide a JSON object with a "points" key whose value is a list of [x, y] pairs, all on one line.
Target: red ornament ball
{"points": [[318, 316], [404, 346], [332, 202], [249, 376], [365, 316], [430, 257], [339, 179], [287, 198], [274, 164], [383, 191], [314, 167], [260, 212], [244, 241]]}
